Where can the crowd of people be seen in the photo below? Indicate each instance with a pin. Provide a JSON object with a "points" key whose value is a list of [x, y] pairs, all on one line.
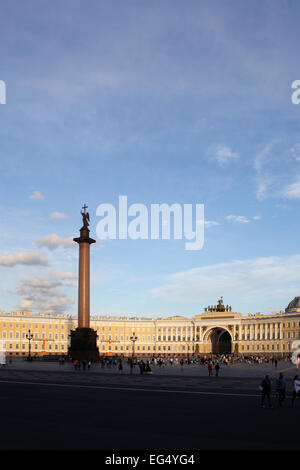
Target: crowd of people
{"points": [[205, 360], [280, 390], [211, 362], [84, 364]]}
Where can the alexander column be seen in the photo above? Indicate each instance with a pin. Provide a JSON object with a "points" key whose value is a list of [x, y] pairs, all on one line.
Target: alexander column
{"points": [[84, 338]]}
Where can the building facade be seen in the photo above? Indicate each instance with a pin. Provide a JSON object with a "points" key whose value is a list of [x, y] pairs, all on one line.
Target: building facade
{"points": [[217, 330]]}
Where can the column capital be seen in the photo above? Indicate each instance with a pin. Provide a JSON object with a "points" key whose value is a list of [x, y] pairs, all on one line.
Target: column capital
{"points": [[84, 236]]}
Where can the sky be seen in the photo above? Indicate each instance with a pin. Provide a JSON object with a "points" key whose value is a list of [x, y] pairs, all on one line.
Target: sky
{"points": [[163, 102]]}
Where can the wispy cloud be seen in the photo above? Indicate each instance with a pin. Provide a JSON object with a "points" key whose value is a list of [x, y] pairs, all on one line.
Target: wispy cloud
{"points": [[30, 258], [295, 151], [64, 275], [54, 241], [41, 294], [36, 196], [210, 223], [292, 191], [263, 179], [267, 278], [223, 154], [58, 215], [241, 219]]}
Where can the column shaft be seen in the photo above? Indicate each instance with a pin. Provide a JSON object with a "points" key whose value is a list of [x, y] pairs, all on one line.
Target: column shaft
{"points": [[84, 286]]}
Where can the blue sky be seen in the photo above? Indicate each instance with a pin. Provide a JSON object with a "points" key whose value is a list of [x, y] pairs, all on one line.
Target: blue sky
{"points": [[162, 101]]}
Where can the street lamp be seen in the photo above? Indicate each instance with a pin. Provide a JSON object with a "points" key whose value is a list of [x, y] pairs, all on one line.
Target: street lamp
{"points": [[29, 336], [133, 338]]}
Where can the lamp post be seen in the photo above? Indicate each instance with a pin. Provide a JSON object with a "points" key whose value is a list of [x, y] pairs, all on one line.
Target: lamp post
{"points": [[29, 336], [133, 338]]}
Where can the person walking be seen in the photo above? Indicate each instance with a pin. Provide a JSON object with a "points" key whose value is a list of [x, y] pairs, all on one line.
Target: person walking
{"points": [[120, 365], [89, 365], [266, 391], [148, 369], [296, 389], [217, 368], [280, 389], [275, 363], [209, 367], [141, 365]]}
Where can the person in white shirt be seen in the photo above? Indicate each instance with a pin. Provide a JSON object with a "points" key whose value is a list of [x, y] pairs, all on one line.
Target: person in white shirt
{"points": [[296, 389]]}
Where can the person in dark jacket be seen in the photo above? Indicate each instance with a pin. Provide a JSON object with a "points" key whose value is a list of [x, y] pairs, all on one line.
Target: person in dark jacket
{"points": [[266, 391], [142, 367]]}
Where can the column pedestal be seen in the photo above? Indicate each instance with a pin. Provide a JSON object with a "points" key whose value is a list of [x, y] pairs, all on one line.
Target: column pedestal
{"points": [[84, 345]]}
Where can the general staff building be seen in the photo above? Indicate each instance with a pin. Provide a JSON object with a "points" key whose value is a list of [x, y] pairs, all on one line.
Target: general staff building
{"points": [[216, 330]]}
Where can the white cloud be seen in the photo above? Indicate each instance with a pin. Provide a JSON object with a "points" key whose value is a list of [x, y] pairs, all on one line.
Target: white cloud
{"points": [[292, 191], [36, 196], [295, 151], [263, 178], [31, 258], [210, 223], [270, 173], [58, 215], [266, 278], [241, 219], [57, 304], [41, 294], [224, 154], [54, 241], [64, 275]]}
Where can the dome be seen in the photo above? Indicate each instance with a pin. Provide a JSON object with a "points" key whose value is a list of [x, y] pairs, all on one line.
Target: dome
{"points": [[294, 305]]}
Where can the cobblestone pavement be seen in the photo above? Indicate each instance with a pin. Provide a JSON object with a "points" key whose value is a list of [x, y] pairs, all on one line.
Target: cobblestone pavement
{"points": [[194, 370], [240, 377]]}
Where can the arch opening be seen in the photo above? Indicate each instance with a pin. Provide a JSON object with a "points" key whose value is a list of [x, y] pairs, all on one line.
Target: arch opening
{"points": [[221, 341]]}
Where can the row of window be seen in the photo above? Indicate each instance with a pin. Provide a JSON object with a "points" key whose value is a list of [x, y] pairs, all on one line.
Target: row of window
{"points": [[262, 347], [262, 336], [174, 330], [36, 325], [35, 336], [35, 346], [264, 326], [143, 338], [147, 348]]}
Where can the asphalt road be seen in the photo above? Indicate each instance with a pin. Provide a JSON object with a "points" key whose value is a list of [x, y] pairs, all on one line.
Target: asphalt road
{"points": [[36, 415]]}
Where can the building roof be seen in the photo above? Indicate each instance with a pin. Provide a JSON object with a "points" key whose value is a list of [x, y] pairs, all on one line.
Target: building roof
{"points": [[294, 304]]}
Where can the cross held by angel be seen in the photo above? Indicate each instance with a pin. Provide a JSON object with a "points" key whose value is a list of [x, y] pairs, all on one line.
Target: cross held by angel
{"points": [[85, 216]]}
